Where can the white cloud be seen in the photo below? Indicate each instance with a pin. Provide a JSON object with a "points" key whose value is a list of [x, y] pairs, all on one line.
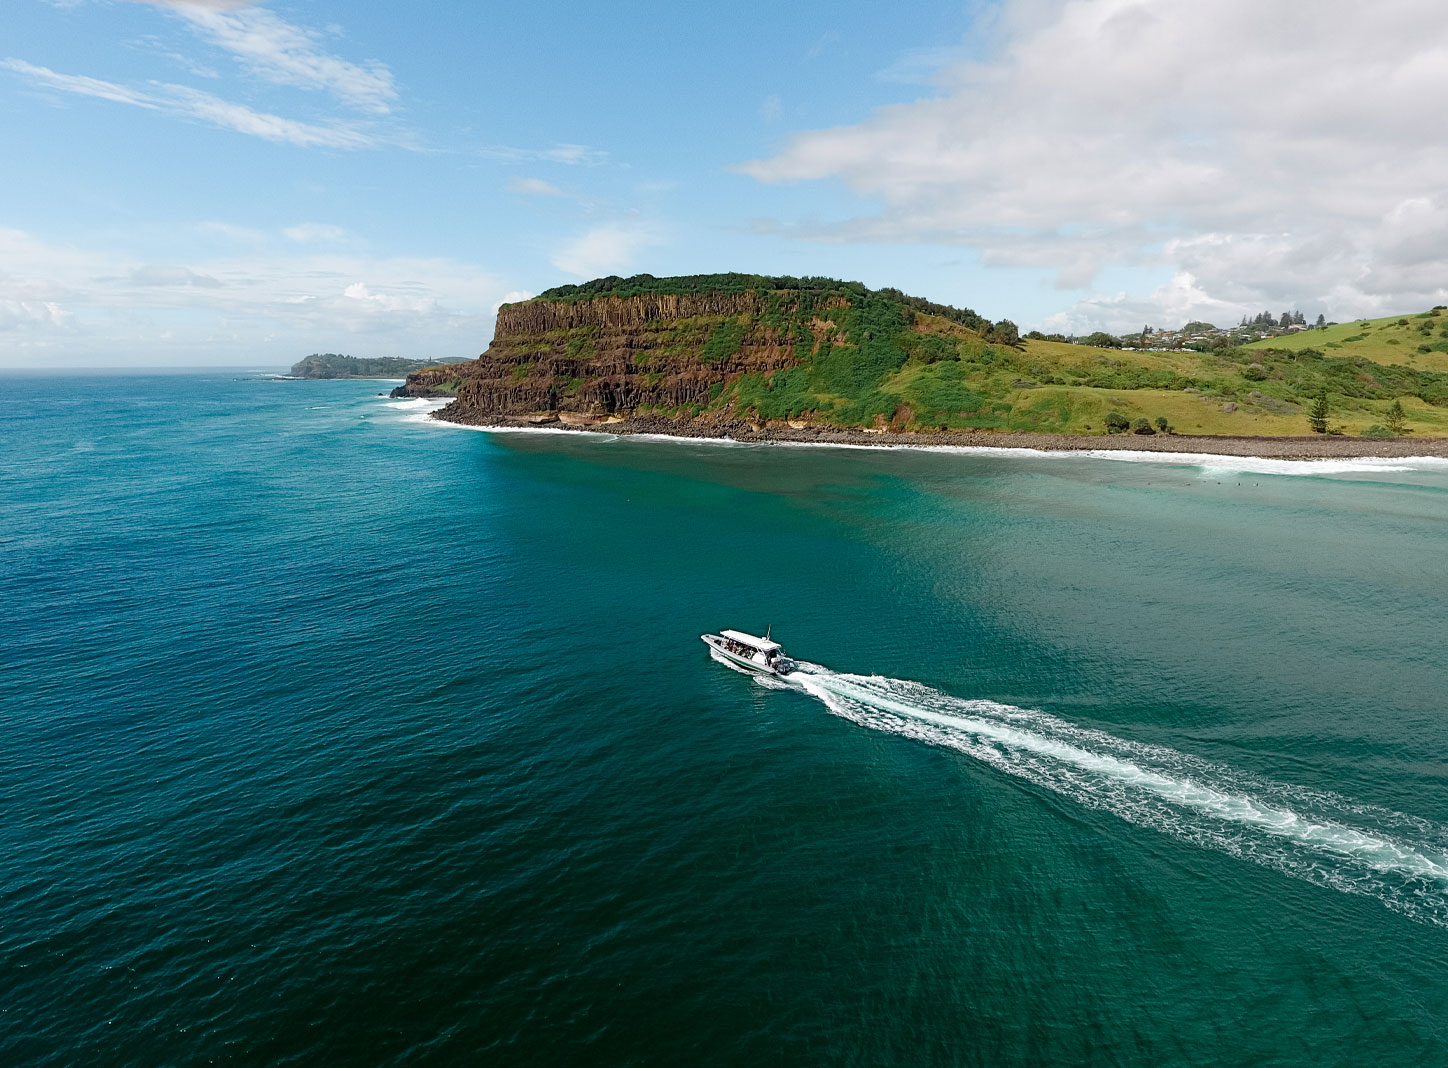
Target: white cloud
{"points": [[185, 102], [315, 233], [1267, 153], [534, 187], [286, 54], [92, 306], [602, 250], [512, 297], [570, 155]]}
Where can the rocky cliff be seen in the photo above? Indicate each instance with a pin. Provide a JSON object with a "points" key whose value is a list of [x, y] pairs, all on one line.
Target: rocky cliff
{"points": [[618, 355], [745, 350]]}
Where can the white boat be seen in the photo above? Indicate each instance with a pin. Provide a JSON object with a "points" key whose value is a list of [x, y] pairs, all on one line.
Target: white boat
{"points": [[751, 653]]}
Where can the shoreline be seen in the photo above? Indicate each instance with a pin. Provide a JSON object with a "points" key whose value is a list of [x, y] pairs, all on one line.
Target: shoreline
{"points": [[1264, 448]]}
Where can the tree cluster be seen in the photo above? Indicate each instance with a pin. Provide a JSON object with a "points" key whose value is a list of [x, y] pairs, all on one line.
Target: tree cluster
{"points": [[1266, 321]]}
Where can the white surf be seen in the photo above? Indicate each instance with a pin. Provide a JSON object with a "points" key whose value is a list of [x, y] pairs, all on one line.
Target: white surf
{"points": [[1316, 836]]}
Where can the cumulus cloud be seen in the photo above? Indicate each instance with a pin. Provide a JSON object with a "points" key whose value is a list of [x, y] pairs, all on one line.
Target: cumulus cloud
{"points": [[602, 250], [1260, 151], [94, 306], [185, 102], [512, 297]]}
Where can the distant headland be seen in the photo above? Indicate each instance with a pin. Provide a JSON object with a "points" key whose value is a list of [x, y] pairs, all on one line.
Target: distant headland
{"points": [[333, 365], [759, 358]]}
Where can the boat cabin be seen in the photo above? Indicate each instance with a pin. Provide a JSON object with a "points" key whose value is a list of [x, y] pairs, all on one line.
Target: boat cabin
{"points": [[743, 644]]}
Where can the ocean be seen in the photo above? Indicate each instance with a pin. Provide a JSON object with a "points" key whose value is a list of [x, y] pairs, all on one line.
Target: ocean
{"points": [[337, 736]]}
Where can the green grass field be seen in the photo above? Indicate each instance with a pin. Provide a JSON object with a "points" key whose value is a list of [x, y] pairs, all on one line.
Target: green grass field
{"points": [[1391, 340], [953, 379]]}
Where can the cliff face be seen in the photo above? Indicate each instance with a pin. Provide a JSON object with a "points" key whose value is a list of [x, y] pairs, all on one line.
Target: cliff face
{"points": [[619, 313], [440, 380], [719, 351], [662, 352]]}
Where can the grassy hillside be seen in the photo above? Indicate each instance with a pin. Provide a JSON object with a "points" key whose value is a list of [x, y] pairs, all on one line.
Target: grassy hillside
{"points": [[1396, 339], [952, 378]]}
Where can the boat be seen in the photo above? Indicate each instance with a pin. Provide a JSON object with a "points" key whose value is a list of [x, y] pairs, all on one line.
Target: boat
{"points": [[753, 654]]}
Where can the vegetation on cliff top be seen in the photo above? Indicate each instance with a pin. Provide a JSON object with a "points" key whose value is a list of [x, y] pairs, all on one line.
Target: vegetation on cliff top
{"points": [[813, 291], [333, 365]]}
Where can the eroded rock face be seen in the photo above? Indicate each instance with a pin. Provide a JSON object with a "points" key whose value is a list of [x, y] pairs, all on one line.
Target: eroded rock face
{"points": [[614, 355], [618, 313], [442, 381]]}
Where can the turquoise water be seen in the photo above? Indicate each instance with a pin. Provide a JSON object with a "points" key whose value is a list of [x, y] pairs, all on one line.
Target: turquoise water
{"points": [[335, 737]]}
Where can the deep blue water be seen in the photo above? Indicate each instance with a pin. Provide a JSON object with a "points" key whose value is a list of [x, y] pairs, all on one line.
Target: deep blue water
{"points": [[335, 737]]}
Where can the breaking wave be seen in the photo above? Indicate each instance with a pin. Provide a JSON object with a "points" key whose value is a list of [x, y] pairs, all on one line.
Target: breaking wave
{"points": [[1319, 837]]}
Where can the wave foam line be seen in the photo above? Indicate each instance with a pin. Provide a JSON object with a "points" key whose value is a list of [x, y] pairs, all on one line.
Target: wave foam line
{"points": [[1320, 837], [1220, 463]]}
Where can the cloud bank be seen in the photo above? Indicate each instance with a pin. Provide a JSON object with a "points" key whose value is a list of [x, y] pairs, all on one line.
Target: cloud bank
{"points": [[1263, 152], [257, 298]]}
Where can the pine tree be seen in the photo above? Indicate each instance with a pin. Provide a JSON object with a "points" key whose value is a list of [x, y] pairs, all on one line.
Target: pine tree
{"points": [[1317, 415], [1397, 419], [1321, 319]]}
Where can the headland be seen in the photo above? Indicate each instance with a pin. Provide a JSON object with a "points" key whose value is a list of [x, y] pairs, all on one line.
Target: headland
{"points": [[755, 358]]}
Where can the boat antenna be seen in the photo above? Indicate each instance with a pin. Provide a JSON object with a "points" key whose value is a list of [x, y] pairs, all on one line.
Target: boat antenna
{"points": [[767, 628]]}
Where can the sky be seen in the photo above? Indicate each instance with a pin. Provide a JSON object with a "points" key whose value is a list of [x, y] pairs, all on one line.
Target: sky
{"points": [[216, 182]]}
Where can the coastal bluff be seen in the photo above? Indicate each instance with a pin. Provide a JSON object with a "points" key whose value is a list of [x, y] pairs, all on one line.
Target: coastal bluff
{"points": [[692, 352], [334, 365], [780, 357]]}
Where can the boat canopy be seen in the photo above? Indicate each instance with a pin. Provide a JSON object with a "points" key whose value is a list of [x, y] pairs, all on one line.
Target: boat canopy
{"points": [[763, 645]]}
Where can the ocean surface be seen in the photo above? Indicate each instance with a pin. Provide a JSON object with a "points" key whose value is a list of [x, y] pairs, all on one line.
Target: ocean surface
{"points": [[335, 736]]}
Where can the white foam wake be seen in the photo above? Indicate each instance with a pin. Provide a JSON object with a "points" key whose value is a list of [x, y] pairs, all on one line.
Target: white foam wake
{"points": [[1323, 838]]}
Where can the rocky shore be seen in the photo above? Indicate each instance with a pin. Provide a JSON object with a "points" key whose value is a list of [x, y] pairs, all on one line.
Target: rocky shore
{"points": [[1279, 448]]}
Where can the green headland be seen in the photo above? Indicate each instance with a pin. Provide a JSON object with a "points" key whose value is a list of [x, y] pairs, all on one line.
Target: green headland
{"points": [[334, 365], [718, 353]]}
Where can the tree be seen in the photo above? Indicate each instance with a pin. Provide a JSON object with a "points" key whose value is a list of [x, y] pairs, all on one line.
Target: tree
{"points": [[1101, 340], [1285, 321], [1141, 426], [1321, 320], [1006, 332], [1162, 424], [1317, 414], [1397, 419], [1116, 423]]}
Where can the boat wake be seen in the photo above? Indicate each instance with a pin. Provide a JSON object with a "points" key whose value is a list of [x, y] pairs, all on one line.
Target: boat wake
{"points": [[1320, 837]]}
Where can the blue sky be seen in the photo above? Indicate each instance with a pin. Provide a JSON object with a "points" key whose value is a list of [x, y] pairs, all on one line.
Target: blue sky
{"points": [[222, 182]]}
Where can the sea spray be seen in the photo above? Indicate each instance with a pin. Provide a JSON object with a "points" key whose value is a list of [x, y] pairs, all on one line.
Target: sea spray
{"points": [[1317, 836]]}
